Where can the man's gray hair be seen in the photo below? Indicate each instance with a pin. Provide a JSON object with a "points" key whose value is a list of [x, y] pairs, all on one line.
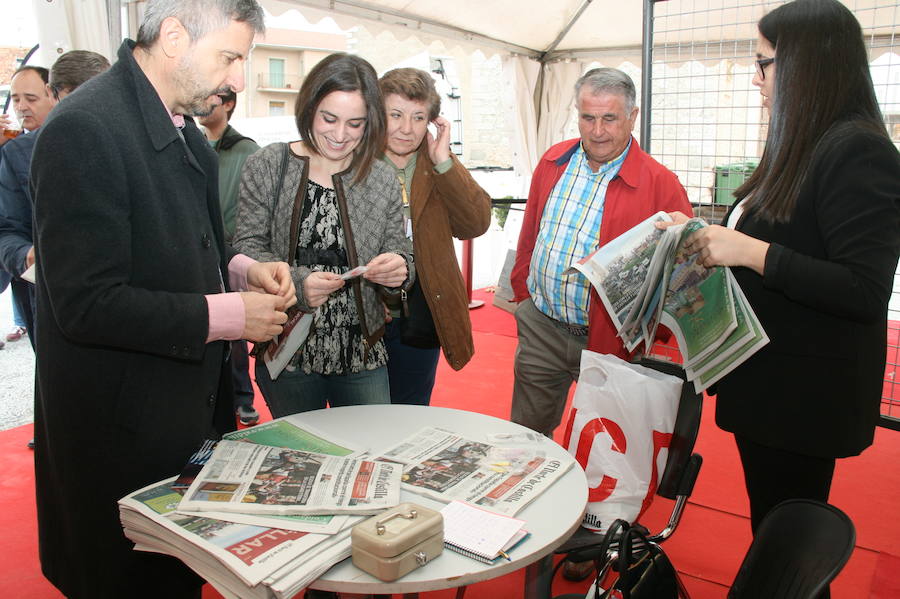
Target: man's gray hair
{"points": [[610, 81], [199, 17]]}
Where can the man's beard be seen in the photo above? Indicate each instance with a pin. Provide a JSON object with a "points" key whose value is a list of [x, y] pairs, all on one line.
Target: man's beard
{"points": [[195, 100]]}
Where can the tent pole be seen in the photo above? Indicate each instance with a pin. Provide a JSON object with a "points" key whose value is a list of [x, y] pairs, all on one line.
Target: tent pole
{"points": [[114, 23], [568, 26], [646, 73]]}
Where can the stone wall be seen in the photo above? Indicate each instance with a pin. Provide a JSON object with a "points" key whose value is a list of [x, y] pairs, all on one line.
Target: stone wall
{"points": [[485, 102], [9, 58]]}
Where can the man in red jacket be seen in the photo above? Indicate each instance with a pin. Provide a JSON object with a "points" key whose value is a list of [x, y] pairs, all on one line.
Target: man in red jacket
{"points": [[584, 192]]}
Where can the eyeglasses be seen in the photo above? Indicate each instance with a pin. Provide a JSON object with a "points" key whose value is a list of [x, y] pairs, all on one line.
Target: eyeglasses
{"points": [[761, 65]]}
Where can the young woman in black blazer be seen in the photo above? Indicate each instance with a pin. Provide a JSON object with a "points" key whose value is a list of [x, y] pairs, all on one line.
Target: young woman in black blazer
{"points": [[813, 240]]}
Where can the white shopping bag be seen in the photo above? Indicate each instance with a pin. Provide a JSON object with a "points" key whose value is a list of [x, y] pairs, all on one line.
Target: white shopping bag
{"points": [[619, 430]]}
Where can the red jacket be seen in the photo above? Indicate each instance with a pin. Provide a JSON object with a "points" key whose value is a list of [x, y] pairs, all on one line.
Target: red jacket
{"points": [[642, 188]]}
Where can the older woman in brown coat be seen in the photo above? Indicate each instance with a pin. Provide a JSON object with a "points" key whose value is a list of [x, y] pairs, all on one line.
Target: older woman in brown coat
{"points": [[442, 201]]}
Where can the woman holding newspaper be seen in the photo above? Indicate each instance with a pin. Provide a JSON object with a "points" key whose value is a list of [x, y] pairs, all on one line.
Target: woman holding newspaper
{"points": [[330, 208], [813, 240]]}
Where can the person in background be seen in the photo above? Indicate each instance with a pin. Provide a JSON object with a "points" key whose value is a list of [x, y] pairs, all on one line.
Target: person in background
{"points": [[337, 206], [232, 149], [32, 101], [19, 329], [7, 132], [441, 201], [134, 310], [16, 239], [813, 240]]}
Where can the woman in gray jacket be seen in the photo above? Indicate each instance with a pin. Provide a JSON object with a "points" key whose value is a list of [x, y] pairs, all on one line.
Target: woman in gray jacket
{"points": [[326, 205]]}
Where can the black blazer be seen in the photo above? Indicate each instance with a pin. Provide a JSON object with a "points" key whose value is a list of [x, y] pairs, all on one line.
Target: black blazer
{"points": [[128, 240], [816, 388]]}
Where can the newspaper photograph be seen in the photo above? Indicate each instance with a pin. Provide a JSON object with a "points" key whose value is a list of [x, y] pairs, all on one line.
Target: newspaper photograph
{"points": [[445, 466], [259, 479], [699, 305], [289, 431], [618, 269], [744, 341]]}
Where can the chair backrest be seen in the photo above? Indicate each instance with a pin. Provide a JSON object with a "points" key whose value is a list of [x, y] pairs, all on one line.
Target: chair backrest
{"points": [[673, 481], [800, 546]]}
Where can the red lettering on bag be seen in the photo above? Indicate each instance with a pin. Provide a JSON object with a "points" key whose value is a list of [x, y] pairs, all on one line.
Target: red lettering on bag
{"points": [[660, 441], [586, 441]]}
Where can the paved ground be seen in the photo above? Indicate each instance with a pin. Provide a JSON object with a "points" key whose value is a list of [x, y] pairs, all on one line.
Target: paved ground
{"points": [[16, 373]]}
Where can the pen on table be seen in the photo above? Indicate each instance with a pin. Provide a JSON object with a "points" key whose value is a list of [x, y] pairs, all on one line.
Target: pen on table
{"points": [[503, 553]]}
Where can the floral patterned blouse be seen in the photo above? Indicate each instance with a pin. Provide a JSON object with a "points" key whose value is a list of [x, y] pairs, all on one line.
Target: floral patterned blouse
{"points": [[335, 344]]}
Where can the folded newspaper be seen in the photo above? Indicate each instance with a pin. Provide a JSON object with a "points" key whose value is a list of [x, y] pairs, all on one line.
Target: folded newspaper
{"points": [[645, 277], [242, 561], [445, 466], [259, 479], [291, 432], [277, 353]]}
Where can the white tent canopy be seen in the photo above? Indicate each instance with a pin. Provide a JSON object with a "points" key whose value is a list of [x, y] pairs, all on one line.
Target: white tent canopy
{"points": [[545, 44], [533, 28]]}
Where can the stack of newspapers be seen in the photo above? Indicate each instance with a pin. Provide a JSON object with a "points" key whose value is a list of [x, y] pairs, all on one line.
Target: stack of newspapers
{"points": [[268, 509], [645, 278], [263, 512]]}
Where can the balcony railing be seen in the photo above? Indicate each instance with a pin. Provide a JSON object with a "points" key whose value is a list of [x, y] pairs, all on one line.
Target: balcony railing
{"points": [[278, 82]]}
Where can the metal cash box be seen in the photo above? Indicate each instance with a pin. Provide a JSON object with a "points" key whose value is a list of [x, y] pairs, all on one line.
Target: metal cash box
{"points": [[397, 541]]}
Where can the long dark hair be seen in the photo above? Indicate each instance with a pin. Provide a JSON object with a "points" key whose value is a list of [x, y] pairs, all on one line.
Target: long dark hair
{"points": [[821, 79], [345, 73]]}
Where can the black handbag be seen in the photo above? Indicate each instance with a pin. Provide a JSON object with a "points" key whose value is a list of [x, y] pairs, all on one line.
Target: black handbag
{"points": [[644, 570]]}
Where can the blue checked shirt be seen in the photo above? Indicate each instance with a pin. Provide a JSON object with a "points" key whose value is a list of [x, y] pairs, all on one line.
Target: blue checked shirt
{"points": [[569, 230]]}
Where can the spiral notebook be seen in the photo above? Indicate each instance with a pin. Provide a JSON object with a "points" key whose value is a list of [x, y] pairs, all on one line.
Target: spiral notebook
{"points": [[480, 534]]}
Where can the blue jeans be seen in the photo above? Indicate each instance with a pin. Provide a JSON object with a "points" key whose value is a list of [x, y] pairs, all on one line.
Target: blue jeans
{"points": [[411, 370], [295, 391]]}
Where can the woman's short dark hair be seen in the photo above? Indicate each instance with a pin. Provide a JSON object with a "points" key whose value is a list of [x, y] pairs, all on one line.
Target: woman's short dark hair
{"points": [[822, 79], [412, 84], [341, 72]]}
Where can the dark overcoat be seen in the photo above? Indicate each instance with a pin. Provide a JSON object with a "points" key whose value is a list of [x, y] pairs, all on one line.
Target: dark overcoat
{"points": [[128, 240]]}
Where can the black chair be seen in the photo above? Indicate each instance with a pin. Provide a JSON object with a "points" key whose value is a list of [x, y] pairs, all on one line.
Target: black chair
{"points": [[799, 548], [677, 482]]}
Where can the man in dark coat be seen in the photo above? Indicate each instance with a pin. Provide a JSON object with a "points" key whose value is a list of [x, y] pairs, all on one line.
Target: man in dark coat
{"points": [[133, 313]]}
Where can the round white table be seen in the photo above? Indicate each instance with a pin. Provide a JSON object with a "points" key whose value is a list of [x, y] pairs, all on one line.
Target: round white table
{"points": [[551, 518]]}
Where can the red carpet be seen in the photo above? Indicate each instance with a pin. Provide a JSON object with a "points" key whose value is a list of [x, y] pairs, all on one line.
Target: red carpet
{"points": [[707, 548]]}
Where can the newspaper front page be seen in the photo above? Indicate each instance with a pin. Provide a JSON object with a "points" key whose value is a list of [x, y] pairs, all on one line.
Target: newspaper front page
{"points": [[446, 466], [259, 479]]}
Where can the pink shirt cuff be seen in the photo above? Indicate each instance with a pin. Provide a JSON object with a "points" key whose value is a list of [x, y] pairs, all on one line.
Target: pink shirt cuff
{"points": [[226, 316], [226, 310], [237, 271]]}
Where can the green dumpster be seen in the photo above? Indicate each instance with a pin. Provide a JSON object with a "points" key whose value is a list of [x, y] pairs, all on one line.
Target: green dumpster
{"points": [[729, 177]]}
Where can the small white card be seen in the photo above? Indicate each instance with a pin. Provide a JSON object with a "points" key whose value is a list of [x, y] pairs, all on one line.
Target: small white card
{"points": [[30, 273], [355, 272]]}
